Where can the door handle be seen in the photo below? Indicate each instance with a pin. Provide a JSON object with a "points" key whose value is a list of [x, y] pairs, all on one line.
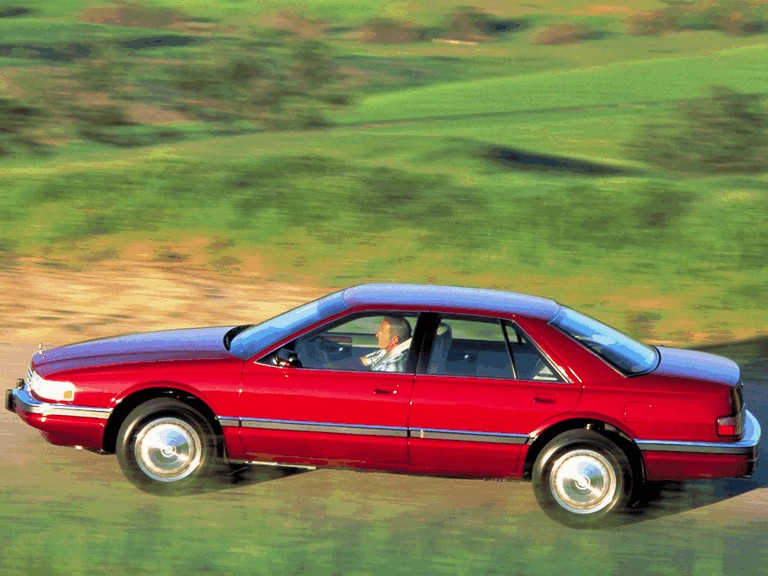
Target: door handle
{"points": [[385, 390], [545, 399]]}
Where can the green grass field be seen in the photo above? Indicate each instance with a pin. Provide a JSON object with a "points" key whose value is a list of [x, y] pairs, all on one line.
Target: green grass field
{"points": [[405, 182]]}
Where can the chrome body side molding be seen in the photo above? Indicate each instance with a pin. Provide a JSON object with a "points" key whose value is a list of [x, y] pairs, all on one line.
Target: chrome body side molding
{"points": [[368, 430], [330, 427], [469, 436], [748, 445]]}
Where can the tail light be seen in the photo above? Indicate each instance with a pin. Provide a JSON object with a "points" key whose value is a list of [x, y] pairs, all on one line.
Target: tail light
{"points": [[733, 425]]}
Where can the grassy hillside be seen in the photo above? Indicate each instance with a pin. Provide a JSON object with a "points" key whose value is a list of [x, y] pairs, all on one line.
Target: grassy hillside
{"points": [[642, 82], [411, 175]]}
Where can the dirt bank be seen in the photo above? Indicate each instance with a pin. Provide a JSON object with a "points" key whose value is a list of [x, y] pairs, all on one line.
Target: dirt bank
{"points": [[58, 301], [58, 304]]}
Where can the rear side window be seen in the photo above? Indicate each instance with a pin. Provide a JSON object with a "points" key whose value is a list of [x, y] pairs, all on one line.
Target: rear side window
{"points": [[530, 363], [486, 348]]}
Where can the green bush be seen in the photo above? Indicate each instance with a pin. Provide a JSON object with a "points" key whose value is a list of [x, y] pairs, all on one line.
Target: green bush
{"points": [[558, 34], [389, 31], [262, 200], [469, 24], [604, 217], [277, 81], [18, 126], [725, 132], [736, 17]]}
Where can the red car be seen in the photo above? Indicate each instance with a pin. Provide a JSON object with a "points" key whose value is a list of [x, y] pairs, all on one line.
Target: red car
{"points": [[404, 378]]}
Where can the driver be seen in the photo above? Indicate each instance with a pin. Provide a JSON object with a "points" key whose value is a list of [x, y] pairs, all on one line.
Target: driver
{"points": [[394, 340]]}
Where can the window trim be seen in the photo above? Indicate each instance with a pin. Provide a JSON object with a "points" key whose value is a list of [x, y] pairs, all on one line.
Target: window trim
{"points": [[512, 362]]}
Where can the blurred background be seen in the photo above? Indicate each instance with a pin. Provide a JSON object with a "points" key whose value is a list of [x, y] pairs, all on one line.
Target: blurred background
{"points": [[178, 155], [176, 163]]}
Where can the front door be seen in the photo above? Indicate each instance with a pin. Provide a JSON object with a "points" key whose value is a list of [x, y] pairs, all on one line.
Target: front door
{"points": [[343, 402]]}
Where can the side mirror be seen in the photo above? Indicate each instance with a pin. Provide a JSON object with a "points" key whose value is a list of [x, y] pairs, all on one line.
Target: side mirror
{"points": [[287, 359]]}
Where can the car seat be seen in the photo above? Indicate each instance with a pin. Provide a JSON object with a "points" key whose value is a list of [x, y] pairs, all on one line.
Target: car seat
{"points": [[440, 349]]}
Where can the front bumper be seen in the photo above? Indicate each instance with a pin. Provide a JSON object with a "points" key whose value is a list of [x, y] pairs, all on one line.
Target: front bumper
{"points": [[9, 404], [10, 395], [60, 424], [22, 399]]}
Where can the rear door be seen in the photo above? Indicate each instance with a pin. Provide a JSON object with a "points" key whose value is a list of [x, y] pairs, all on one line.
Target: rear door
{"points": [[483, 388]]}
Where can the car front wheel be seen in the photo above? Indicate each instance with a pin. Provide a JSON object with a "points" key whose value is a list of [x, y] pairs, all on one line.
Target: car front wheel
{"points": [[166, 446], [581, 477]]}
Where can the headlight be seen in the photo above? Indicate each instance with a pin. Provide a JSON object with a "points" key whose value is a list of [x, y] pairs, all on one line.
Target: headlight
{"points": [[50, 389]]}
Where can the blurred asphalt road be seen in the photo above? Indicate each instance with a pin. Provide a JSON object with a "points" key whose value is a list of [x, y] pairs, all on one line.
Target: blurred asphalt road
{"points": [[64, 511]]}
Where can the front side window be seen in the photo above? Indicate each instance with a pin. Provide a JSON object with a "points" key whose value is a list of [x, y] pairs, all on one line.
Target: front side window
{"points": [[486, 348], [371, 342], [618, 349]]}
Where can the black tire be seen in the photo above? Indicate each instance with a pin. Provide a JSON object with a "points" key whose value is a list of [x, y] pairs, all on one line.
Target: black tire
{"points": [[581, 477], [165, 446]]}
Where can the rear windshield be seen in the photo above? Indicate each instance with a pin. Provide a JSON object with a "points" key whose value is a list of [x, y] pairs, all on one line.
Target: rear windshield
{"points": [[627, 355]]}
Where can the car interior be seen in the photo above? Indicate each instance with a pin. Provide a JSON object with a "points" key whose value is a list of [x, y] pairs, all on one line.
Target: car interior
{"points": [[462, 346]]}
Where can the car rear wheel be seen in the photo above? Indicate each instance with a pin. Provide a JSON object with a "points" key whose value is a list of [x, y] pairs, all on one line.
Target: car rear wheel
{"points": [[581, 477], [166, 446]]}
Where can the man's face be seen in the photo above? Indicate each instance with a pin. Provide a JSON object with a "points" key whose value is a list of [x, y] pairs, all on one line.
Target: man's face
{"points": [[382, 335]]}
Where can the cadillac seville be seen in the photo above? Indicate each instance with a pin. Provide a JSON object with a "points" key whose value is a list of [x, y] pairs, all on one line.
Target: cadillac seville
{"points": [[404, 378]]}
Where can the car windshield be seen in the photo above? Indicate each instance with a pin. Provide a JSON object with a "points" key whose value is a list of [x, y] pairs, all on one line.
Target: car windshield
{"points": [[260, 337], [618, 349]]}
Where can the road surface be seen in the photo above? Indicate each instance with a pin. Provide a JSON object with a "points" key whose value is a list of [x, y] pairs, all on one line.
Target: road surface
{"points": [[64, 511]]}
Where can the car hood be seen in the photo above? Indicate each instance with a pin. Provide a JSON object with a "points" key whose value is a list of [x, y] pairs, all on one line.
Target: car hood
{"points": [[191, 344], [699, 365]]}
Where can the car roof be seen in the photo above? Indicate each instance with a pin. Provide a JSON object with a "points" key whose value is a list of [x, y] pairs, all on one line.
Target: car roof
{"points": [[458, 297]]}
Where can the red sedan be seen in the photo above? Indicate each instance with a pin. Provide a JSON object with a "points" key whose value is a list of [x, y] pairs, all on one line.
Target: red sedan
{"points": [[404, 378]]}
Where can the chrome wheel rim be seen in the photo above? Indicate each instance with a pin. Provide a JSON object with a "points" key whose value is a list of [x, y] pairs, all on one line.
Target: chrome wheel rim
{"points": [[583, 481], [168, 449]]}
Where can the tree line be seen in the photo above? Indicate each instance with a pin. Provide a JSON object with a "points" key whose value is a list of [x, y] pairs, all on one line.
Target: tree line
{"points": [[267, 81]]}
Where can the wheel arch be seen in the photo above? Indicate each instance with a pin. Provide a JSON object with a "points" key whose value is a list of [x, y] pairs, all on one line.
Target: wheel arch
{"points": [[615, 434], [127, 404]]}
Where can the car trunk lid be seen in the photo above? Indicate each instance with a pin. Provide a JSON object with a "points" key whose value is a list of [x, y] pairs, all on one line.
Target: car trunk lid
{"points": [[701, 365]]}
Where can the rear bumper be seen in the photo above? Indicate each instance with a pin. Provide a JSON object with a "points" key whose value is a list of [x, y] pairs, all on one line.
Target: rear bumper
{"points": [[680, 460], [748, 446]]}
